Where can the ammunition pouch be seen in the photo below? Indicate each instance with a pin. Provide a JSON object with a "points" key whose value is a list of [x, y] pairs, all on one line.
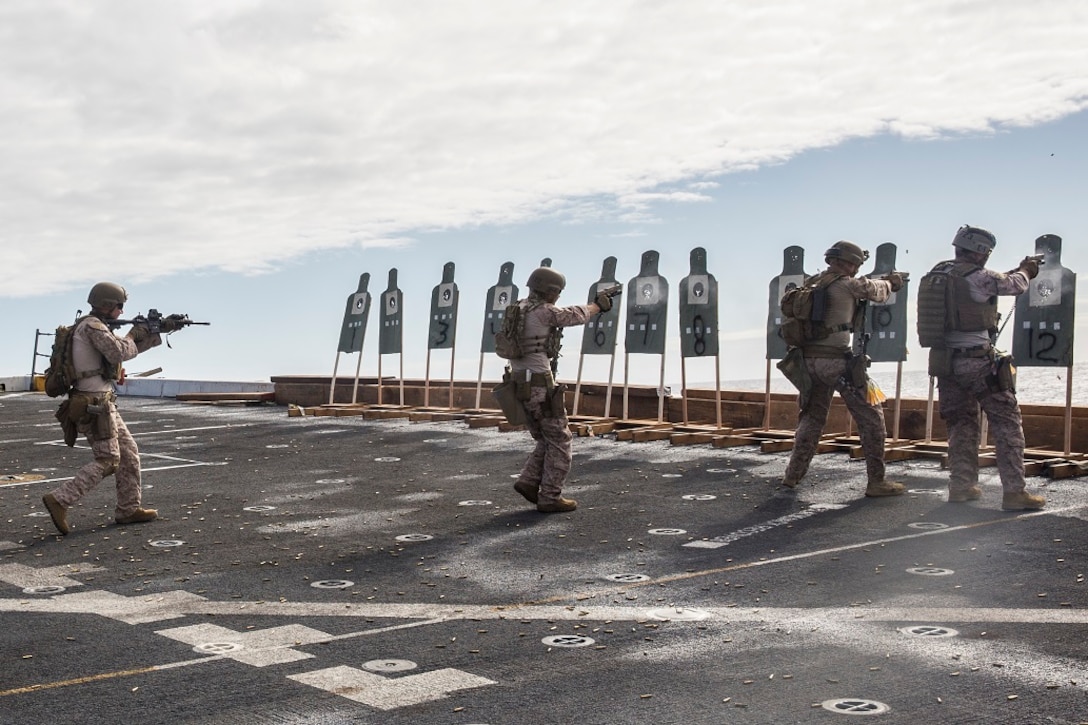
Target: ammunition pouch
{"points": [[794, 369], [1002, 375], [90, 413], [507, 394], [940, 362]]}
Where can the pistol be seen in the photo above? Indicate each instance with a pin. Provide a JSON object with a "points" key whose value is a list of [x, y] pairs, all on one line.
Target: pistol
{"points": [[1040, 258], [613, 291]]}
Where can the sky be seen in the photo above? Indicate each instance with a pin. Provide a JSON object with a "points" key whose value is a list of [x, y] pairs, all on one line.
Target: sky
{"points": [[244, 162]]}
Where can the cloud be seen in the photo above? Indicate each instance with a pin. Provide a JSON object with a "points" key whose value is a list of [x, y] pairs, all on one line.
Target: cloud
{"points": [[139, 138]]}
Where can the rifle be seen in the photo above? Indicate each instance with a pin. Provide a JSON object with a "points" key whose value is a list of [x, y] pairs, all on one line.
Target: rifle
{"points": [[156, 322]]}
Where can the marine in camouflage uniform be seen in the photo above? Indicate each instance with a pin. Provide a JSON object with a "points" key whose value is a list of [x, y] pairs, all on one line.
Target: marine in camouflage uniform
{"points": [[827, 361], [969, 375], [91, 410], [546, 468]]}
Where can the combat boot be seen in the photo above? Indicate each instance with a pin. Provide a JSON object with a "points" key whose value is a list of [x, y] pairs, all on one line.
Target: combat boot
{"points": [[961, 495], [527, 490], [1021, 501], [57, 512], [884, 488], [138, 516], [559, 505]]}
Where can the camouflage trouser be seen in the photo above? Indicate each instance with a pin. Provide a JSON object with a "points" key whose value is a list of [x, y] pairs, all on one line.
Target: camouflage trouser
{"points": [[827, 378], [549, 462], [117, 455], [961, 395]]}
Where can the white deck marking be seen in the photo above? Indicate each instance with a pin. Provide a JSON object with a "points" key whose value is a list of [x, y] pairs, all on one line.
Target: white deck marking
{"points": [[54, 576], [260, 648], [386, 693]]}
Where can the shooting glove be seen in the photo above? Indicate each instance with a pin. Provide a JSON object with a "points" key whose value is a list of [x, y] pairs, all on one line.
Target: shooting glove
{"points": [[170, 323], [896, 281], [604, 301], [139, 332], [1030, 267]]}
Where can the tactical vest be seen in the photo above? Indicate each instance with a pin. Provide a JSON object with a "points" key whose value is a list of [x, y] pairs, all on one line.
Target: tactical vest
{"points": [[945, 304]]}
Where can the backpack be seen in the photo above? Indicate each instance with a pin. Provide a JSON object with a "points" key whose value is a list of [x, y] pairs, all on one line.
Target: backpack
{"points": [[511, 342], [60, 376], [508, 338], [803, 311]]}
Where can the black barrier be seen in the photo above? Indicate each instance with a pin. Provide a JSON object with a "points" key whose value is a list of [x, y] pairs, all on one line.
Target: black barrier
{"points": [[442, 332], [503, 294], [601, 331], [793, 275], [391, 334], [886, 322], [698, 309], [647, 298], [356, 313], [1043, 332]]}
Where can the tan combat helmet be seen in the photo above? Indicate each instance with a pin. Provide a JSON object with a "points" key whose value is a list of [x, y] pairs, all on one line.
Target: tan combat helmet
{"points": [[107, 295], [974, 239], [545, 280], [848, 252]]}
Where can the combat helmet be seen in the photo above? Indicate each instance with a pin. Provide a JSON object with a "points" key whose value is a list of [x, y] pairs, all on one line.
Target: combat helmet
{"points": [[848, 252], [545, 280], [107, 295], [974, 239]]}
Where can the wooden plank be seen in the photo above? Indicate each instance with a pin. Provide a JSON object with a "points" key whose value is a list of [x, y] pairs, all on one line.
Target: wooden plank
{"points": [[655, 434]]}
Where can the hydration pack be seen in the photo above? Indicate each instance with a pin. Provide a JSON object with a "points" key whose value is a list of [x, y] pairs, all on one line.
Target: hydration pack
{"points": [[60, 376], [804, 309]]}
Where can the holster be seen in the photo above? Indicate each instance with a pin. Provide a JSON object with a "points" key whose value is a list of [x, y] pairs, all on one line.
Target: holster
{"points": [[940, 362], [66, 423], [1002, 375], [557, 403], [857, 371], [90, 413]]}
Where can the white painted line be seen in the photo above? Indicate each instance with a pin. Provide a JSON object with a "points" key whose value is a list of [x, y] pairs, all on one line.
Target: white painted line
{"points": [[176, 604], [720, 541]]}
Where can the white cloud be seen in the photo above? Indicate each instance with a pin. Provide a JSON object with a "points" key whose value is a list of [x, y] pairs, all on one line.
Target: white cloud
{"points": [[143, 137]]}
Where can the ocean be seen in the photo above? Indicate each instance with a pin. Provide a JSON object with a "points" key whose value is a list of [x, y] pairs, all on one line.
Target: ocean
{"points": [[1039, 385]]}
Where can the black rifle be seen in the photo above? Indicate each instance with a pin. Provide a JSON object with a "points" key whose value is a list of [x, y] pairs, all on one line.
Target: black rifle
{"points": [[156, 322]]}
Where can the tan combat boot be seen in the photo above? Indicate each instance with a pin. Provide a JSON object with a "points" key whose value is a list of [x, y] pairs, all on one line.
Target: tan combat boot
{"points": [[559, 505], [138, 516], [961, 495], [57, 512], [527, 490], [884, 488], [1021, 501]]}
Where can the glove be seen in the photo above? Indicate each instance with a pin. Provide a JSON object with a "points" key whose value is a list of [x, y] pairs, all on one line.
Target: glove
{"points": [[171, 323], [139, 332], [604, 301], [1030, 267], [896, 281]]}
